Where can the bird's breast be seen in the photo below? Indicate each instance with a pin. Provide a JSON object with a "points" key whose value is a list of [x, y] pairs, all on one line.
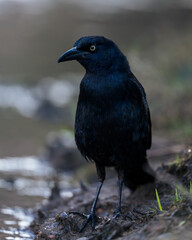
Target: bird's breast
{"points": [[102, 118], [98, 127]]}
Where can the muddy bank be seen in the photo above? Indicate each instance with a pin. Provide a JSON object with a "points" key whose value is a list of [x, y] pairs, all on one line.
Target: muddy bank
{"points": [[142, 217]]}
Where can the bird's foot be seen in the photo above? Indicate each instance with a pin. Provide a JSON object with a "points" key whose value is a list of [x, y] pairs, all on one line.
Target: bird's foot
{"points": [[117, 214], [91, 217]]}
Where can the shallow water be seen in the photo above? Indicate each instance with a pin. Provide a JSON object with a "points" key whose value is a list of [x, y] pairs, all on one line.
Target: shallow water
{"points": [[24, 182], [15, 228]]}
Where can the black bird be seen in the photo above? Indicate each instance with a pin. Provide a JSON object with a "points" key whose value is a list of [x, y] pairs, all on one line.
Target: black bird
{"points": [[112, 125]]}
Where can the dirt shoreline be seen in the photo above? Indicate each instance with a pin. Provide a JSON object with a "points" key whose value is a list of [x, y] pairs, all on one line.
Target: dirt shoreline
{"points": [[142, 217]]}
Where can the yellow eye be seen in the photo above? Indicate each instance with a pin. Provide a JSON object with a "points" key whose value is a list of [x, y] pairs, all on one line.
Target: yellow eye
{"points": [[92, 48]]}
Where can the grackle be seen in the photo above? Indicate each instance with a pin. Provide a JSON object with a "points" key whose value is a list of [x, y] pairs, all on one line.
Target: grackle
{"points": [[112, 125]]}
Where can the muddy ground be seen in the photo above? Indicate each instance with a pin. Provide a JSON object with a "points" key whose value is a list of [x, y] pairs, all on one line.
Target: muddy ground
{"points": [[142, 217]]}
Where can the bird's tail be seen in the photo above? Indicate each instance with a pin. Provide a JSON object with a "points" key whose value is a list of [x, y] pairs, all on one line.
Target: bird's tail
{"points": [[140, 176]]}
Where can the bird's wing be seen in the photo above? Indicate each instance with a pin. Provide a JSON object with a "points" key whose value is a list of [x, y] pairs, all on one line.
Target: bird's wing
{"points": [[138, 114]]}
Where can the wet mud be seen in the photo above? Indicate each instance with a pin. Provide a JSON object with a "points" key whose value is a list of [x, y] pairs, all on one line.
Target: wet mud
{"points": [[142, 217]]}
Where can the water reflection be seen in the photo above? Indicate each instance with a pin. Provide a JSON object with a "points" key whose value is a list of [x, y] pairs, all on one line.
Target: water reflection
{"points": [[23, 217], [25, 166], [17, 227], [30, 176], [27, 179], [22, 234]]}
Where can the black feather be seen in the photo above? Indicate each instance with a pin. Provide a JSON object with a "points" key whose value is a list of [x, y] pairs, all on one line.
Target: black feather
{"points": [[112, 125]]}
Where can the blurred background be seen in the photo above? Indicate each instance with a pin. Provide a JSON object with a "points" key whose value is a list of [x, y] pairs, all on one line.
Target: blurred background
{"points": [[38, 96]]}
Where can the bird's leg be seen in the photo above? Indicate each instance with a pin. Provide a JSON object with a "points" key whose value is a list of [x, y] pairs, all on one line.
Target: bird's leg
{"points": [[92, 216], [117, 211]]}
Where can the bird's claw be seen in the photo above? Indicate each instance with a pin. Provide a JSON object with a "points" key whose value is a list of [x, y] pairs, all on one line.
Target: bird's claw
{"points": [[117, 214], [92, 216]]}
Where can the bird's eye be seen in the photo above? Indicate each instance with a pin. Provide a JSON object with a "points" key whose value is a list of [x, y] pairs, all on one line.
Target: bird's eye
{"points": [[92, 48]]}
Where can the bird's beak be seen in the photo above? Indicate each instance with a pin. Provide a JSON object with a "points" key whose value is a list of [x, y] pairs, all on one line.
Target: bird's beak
{"points": [[71, 54]]}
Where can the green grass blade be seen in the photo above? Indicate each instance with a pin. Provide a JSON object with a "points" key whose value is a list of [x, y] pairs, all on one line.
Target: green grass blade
{"points": [[190, 190], [176, 196], [177, 159], [158, 200]]}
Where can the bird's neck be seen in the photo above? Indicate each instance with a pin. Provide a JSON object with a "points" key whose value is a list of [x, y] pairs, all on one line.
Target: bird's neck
{"points": [[97, 87], [106, 66]]}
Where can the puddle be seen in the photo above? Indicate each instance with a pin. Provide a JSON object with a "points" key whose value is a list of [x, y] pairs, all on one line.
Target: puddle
{"points": [[23, 217], [26, 166], [15, 229], [25, 182]]}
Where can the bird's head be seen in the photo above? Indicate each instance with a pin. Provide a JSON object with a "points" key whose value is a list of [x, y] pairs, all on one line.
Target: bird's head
{"points": [[96, 53]]}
